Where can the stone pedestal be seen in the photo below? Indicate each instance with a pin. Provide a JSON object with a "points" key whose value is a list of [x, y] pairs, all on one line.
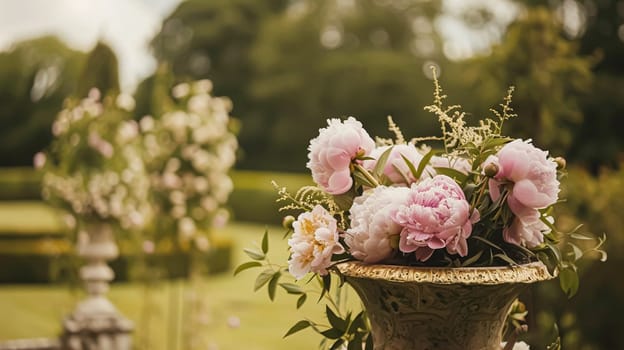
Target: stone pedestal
{"points": [[96, 324]]}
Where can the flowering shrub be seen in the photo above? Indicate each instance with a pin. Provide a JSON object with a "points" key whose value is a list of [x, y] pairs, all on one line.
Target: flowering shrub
{"points": [[470, 197], [94, 168], [189, 151]]}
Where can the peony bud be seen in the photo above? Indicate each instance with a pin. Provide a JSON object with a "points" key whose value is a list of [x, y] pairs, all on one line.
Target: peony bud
{"points": [[561, 163], [490, 170], [287, 222]]}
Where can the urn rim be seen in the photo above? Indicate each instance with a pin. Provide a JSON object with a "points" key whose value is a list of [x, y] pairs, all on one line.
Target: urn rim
{"points": [[489, 275]]}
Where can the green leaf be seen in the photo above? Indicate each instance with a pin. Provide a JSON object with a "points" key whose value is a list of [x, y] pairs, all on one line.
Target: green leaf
{"points": [[381, 163], [495, 142], [245, 266], [576, 251], [302, 299], [479, 238], [292, 288], [265, 242], [337, 344], [472, 259], [325, 284], [550, 264], [555, 250], [362, 180], [263, 278], [356, 342], [358, 323], [273, 284], [569, 281], [410, 166], [456, 175], [345, 200], [506, 258], [332, 333], [423, 163], [334, 320], [299, 326], [581, 236], [254, 254], [369, 342]]}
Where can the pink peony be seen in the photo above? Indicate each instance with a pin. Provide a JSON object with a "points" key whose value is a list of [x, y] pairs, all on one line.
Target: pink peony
{"points": [[534, 185], [436, 215], [332, 152], [526, 230], [313, 243], [396, 169], [370, 235], [533, 175]]}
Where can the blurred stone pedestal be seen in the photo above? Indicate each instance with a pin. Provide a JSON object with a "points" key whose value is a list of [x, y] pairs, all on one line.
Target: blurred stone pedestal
{"points": [[96, 324], [97, 333]]}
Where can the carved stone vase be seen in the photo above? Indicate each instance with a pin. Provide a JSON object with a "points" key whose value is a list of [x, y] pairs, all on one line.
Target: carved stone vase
{"points": [[427, 308], [95, 324]]}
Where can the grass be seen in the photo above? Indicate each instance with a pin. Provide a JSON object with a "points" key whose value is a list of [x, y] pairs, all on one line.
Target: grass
{"points": [[222, 301], [29, 217]]}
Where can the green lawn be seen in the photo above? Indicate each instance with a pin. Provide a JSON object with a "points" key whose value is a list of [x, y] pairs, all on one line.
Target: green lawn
{"points": [[36, 311], [28, 217]]}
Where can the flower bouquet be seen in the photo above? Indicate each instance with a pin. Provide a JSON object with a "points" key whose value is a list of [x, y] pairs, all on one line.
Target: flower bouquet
{"points": [[93, 168], [189, 151], [469, 207]]}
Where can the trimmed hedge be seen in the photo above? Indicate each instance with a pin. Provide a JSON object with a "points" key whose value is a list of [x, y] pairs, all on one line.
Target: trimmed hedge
{"points": [[44, 260], [38, 252], [20, 183], [253, 198]]}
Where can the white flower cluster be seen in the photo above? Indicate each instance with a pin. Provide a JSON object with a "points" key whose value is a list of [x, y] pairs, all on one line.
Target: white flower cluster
{"points": [[190, 151], [94, 168]]}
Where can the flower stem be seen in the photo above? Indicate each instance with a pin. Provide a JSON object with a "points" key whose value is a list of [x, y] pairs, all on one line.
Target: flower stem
{"points": [[366, 174]]}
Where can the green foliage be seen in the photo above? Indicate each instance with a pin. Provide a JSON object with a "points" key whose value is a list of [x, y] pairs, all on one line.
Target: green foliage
{"points": [[101, 71], [35, 77], [549, 76], [343, 327], [153, 95], [586, 321], [19, 183], [240, 46]]}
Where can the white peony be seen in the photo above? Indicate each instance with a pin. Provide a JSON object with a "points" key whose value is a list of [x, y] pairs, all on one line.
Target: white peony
{"points": [[371, 231], [313, 243]]}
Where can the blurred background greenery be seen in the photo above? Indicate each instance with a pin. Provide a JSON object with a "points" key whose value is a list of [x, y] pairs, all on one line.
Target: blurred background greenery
{"points": [[288, 65]]}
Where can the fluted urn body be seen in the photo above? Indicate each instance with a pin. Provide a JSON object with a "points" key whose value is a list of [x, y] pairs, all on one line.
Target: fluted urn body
{"points": [[426, 308]]}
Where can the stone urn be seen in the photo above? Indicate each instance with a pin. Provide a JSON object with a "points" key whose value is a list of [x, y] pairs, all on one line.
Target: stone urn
{"points": [[96, 324], [427, 308]]}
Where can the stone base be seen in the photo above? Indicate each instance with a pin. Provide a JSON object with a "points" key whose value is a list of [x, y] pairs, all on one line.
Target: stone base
{"points": [[111, 332]]}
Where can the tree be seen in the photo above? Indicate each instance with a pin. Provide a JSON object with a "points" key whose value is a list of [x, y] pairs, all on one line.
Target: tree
{"points": [[100, 71], [598, 28], [289, 65], [35, 78], [549, 76], [326, 59]]}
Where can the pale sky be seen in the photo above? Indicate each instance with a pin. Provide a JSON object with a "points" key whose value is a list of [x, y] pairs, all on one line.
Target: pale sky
{"points": [[128, 26]]}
